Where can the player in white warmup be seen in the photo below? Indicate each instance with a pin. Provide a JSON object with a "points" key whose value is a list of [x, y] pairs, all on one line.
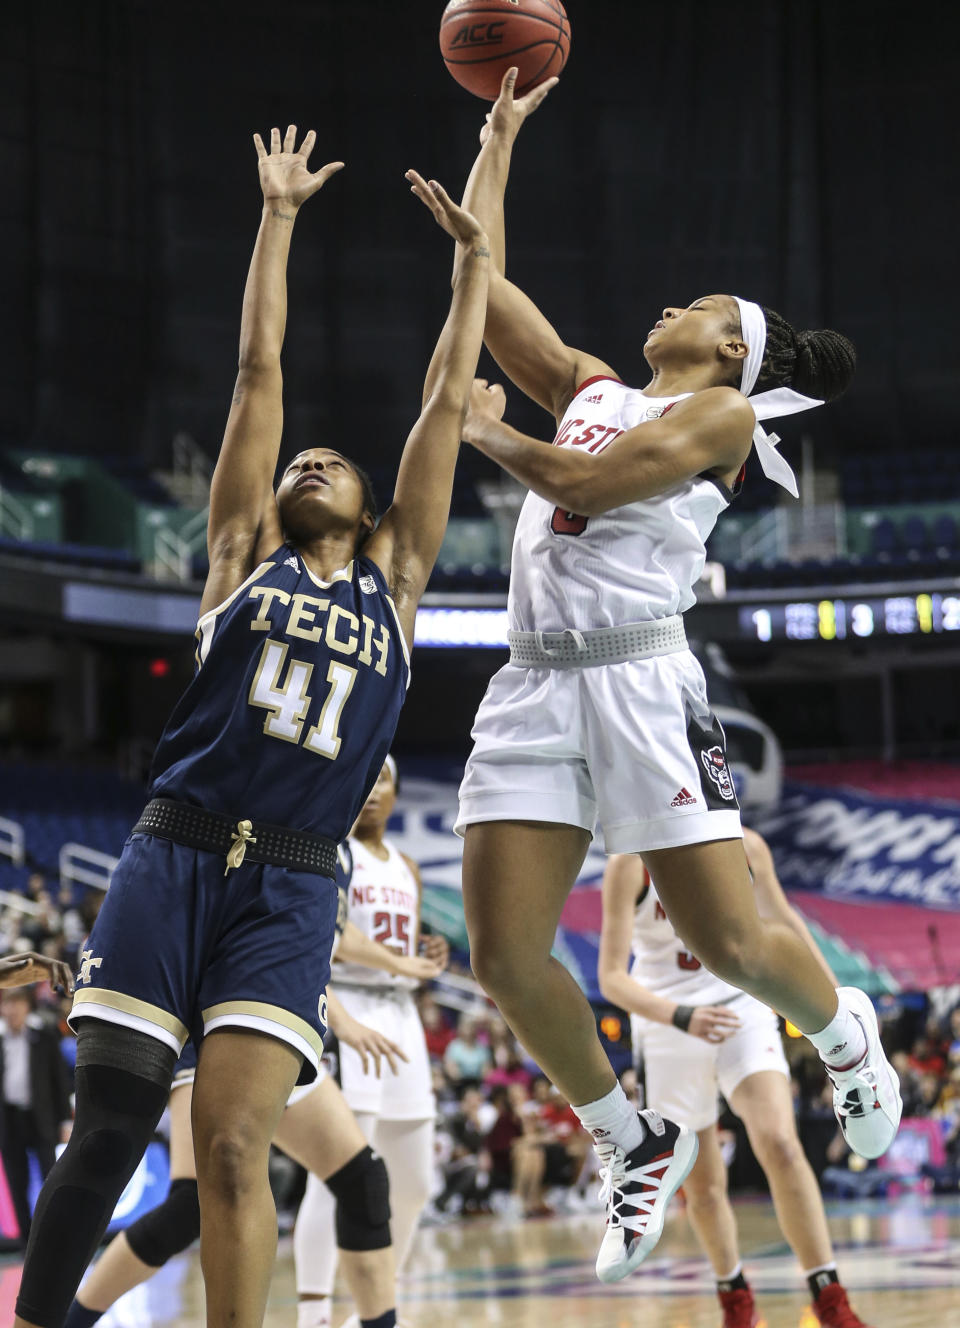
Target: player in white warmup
{"points": [[700, 1035], [395, 1112], [601, 715]]}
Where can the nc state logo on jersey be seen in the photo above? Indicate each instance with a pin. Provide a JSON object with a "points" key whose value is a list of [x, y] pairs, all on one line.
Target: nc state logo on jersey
{"points": [[715, 764]]}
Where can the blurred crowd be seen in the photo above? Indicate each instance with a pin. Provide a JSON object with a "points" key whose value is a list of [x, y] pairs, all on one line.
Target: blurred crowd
{"points": [[507, 1141]]}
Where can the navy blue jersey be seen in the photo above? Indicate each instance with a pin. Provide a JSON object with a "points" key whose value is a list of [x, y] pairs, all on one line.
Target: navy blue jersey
{"points": [[296, 697]]}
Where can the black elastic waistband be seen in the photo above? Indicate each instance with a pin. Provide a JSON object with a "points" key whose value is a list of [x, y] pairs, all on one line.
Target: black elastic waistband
{"points": [[238, 840]]}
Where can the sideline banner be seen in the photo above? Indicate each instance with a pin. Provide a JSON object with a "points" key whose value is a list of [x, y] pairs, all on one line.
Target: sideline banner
{"points": [[863, 848]]}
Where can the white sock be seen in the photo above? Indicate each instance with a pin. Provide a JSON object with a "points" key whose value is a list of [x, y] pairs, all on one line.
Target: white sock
{"points": [[313, 1313], [841, 1044], [613, 1119]]}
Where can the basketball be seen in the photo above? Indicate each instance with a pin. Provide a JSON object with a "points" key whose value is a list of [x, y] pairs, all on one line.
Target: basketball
{"points": [[481, 39]]}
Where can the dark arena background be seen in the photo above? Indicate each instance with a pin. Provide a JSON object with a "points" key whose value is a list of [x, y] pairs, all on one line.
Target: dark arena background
{"points": [[800, 154]]}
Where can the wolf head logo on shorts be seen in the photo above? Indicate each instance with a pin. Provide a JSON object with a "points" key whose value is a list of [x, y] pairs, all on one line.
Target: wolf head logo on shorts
{"points": [[715, 763]]}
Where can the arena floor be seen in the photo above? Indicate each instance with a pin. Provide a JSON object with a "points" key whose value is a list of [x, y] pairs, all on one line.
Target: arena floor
{"points": [[900, 1261]]}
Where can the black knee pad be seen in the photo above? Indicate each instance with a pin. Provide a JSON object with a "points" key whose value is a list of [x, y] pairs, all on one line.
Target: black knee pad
{"points": [[122, 1087], [362, 1192], [168, 1229]]}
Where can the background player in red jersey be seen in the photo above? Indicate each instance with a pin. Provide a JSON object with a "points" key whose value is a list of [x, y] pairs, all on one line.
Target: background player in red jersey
{"points": [[699, 1036], [220, 917]]}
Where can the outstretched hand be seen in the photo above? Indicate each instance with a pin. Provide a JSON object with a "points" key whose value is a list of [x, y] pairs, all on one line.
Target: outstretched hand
{"points": [[458, 223], [21, 970], [284, 177], [508, 112]]}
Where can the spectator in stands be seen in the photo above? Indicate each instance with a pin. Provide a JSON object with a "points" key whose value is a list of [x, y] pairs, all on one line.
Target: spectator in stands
{"points": [[466, 1057], [467, 1171], [506, 1129], [437, 1031], [36, 1096], [929, 1053], [508, 1068], [551, 1151]]}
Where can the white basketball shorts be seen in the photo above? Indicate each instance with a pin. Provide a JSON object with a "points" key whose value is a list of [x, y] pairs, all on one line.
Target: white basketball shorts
{"points": [[407, 1095], [684, 1073], [633, 746]]}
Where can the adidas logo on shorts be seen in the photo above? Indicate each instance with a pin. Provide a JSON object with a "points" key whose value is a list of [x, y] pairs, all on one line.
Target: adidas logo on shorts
{"points": [[594, 400], [683, 799]]}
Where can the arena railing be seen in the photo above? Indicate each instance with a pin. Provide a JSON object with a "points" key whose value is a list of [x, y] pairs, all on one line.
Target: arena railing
{"points": [[12, 844], [85, 866]]}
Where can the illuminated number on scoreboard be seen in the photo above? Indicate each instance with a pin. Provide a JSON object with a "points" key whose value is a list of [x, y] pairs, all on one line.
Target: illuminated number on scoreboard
{"points": [[567, 523], [861, 620], [287, 699], [763, 622]]}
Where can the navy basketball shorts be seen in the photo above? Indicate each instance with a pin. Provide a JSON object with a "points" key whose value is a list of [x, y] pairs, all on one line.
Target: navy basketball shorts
{"points": [[180, 949]]}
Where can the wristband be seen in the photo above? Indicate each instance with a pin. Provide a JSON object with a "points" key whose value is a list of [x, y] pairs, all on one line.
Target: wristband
{"points": [[682, 1016]]}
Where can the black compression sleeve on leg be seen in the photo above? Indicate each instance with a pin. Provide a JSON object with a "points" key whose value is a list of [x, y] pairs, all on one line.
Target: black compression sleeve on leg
{"points": [[116, 1114], [168, 1229]]}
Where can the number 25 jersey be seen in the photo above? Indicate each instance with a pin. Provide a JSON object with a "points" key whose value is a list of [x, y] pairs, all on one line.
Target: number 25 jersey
{"points": [[295, 699]]}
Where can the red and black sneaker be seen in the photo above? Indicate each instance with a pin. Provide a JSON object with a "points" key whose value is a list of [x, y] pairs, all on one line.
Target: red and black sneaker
{"points": [[834, 1310], [637, 1187], [739, 1310]]}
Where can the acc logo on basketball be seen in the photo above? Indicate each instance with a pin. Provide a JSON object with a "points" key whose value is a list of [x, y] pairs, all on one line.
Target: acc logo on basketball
{"points": [[478, 34], [715, 764]]}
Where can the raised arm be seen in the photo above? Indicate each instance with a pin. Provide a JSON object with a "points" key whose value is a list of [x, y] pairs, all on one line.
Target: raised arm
{"points": [[521, 340], [244, 523], [406, 542], [772, 903], [711, 431]]}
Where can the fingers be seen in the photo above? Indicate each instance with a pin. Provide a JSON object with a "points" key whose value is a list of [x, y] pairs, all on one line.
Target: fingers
{"points": [[508, 83], [320, 178], [290, 139], [306, 147], [532, 100], [258, 144], [274, 140]]}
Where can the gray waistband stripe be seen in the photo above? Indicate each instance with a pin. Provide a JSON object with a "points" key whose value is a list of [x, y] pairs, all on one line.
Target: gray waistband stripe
{"points": [[571, 649]]}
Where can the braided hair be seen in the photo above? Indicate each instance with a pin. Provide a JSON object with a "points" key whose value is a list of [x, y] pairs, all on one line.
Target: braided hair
{"points": [[819, 364]]}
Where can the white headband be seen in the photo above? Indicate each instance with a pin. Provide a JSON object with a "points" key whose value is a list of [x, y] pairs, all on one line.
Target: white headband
{"points": [[769, 405], [391, 765]]}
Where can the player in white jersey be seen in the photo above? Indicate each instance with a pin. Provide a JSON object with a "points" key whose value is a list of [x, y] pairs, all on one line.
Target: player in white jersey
{"points": [[397, 1112], [698, 1035], [602, 716]]}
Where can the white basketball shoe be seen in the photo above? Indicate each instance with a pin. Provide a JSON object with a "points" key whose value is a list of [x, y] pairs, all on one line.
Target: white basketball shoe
{"points": [[866, 1097], [636, 1188]]}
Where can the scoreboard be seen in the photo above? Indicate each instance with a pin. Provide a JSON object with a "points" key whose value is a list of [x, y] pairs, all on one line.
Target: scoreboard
{"points": [[849, 618]]}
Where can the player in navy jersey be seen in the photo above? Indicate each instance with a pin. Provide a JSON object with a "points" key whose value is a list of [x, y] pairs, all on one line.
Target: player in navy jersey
{"points": [[601, 717], [220, 917], [317, 1129]]}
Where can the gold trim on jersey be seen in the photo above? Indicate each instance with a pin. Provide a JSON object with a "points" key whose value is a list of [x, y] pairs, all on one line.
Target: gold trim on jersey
{"points": [[118, 1000], [344, 574], [206, 623], [275, 1014], [403, 640]]}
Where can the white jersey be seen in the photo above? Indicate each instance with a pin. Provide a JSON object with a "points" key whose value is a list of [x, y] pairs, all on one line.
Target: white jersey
{"points": [[632, 564], [662, 965], [384, 902]]}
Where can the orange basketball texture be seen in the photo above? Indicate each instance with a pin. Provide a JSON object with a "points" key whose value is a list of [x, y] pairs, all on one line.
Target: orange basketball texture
{"points": [[481, 39]]}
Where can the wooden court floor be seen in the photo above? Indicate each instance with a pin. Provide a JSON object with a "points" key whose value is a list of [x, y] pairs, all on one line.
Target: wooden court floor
{"points": [[899, 1259]]}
